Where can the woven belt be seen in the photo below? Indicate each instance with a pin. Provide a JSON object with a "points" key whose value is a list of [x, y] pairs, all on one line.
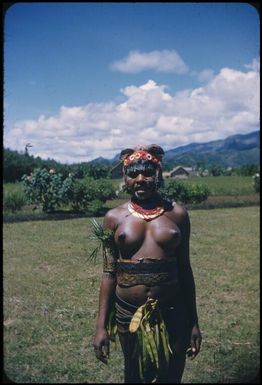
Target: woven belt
{"points": [[151, 273]]}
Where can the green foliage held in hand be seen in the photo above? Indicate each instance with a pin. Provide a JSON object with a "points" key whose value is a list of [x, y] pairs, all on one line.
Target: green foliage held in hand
{"points": [[105, 239]]}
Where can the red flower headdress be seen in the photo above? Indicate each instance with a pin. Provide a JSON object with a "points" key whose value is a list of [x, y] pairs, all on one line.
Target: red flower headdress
{"points": [[140, 155], [152, 153]]}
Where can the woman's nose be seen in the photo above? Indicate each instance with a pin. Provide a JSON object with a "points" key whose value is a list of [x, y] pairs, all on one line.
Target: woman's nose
{"points": [[140, 178]]}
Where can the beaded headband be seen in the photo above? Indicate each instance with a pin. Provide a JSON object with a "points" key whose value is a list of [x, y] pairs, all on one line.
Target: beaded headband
{"points": [[140, 155]]}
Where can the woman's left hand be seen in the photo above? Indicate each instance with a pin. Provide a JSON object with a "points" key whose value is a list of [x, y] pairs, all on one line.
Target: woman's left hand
{"points": [[195, 342]]}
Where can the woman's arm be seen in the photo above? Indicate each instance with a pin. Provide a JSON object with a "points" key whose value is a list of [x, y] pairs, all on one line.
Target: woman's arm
{"points": [[101, 339], [187, 283], [106, 294]]}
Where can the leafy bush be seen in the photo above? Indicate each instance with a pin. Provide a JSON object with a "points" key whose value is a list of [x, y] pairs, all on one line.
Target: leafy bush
{"points": [[247, 170], [104, 189], [96, 207], [97, 171], [198, 193], [14, 201], [184, 192], [47, 189], [77, 195], [256, 183], [85, 191]]}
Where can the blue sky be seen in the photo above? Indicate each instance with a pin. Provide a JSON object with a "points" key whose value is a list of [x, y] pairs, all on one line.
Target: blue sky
{"points": [[84, 80]]}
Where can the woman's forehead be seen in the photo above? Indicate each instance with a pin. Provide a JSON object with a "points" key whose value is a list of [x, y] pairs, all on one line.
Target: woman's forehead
{"points": [[141, 165]]}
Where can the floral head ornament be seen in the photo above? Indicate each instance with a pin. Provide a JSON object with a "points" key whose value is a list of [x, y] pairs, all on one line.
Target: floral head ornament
{"points": [[140, 155]]}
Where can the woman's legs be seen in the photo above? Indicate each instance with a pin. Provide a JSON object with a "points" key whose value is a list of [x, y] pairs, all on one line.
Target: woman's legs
{"points": [[128, 343], [176, 321]]}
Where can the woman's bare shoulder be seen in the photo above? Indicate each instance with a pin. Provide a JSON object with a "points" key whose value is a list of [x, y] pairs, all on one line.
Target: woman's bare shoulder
{"points": [[114, 216], [179, 213]]}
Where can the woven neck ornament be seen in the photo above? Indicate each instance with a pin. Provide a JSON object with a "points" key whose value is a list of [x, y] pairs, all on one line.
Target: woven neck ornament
{"points": [[146, 214]]}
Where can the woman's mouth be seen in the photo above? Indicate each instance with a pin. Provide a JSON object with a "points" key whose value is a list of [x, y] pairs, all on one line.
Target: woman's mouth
{"points": [[141, 189]]}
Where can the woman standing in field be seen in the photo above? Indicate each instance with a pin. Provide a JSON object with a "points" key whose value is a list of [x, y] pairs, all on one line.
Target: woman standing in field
{"points": [[147, 282]]}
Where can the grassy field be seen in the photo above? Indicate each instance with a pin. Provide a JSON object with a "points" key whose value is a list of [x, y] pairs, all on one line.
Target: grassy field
{"points": [[226, 185], [51, 300]]}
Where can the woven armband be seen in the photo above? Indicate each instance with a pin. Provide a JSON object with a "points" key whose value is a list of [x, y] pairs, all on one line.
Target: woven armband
{"points": [[109, 261]]}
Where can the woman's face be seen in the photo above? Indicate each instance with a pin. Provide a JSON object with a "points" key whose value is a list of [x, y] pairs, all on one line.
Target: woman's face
{"points": [[141, 181]]}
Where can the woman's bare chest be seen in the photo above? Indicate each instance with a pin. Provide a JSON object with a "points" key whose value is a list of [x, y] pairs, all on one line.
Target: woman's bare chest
{"points": [[133, 231]]}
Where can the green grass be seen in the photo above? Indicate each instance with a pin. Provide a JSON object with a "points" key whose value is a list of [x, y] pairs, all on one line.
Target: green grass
{"points": [[11, 187], [51, 300], [226, 185]]}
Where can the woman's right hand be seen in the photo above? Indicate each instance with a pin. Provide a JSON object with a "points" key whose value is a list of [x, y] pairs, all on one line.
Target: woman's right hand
{"points": [[101, 345]]}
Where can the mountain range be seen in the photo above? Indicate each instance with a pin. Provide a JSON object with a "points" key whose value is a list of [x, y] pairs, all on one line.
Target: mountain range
{"points": [[234, 151]]}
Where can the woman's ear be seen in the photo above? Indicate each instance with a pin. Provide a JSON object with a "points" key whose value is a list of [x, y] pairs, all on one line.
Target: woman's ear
{"points": [[156, 150]]}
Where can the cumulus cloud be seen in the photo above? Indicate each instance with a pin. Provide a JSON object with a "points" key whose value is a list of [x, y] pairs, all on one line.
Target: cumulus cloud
{"points": [[160, 61], [205, 75], [254, 66], [227, 104]]}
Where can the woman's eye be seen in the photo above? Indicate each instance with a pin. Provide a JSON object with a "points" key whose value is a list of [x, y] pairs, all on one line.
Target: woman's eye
{"points": [[148, 173], [145, 173], [132, 174]]}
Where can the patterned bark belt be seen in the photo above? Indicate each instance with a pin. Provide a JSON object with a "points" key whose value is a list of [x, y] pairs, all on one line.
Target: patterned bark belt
{"points": [[153, 273]]}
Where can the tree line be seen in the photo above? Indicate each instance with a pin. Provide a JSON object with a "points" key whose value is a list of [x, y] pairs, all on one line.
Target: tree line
{"points": [[17, 164]]}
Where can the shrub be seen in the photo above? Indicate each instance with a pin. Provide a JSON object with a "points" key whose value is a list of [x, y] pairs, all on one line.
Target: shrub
{"points": [[185, 193], [14, 201], [256, 183], [47, 189], [105, 189], [96, 207], [80, 195], [85, 191], [198, 193]]}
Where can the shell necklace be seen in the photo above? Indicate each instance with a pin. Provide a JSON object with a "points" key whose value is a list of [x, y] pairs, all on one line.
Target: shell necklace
{"points": [[142, 213]]}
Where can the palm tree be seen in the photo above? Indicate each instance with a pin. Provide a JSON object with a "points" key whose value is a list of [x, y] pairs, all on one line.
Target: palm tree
{"points": [[26, 148]]}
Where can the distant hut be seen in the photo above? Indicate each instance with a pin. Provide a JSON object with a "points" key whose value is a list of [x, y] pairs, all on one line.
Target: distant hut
{"points": [[180, 172]]}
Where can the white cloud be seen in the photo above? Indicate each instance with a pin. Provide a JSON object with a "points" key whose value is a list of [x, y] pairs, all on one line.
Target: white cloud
{"points": [[160, 61], [254, 66], [227, 104], [205, 75]]}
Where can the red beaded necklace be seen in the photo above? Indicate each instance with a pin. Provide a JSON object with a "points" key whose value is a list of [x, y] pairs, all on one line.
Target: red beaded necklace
{"points": [[146, 214]]}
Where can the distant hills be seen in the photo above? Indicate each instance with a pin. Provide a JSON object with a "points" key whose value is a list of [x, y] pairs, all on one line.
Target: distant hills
{"points": [[234, 151]]}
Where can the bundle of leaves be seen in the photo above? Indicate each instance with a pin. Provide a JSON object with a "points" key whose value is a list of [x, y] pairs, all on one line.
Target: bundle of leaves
{"points": [[104, 237]]}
